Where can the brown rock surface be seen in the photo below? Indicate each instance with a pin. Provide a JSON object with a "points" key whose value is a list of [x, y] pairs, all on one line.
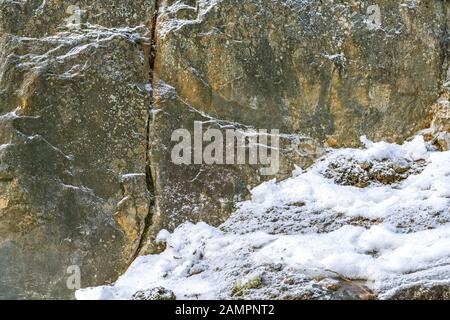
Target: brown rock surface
{"points": [[318, 70], [73, 127], [86, 175]]}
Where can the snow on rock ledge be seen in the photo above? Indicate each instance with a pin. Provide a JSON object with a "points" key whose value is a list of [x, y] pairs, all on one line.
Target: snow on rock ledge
{"points": [[311, 238]]}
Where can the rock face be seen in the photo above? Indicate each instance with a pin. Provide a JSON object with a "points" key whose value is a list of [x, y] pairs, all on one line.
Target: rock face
{"points": [[74, 112], [86, 175], [325, 72], [439, 131]]}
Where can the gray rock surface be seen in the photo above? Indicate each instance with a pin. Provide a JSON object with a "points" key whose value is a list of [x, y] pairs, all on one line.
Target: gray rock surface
{"points": [[91, 91], [317, 70], [73, 130]]}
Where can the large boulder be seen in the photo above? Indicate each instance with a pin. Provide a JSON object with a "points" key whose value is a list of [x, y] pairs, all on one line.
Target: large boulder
{"points": [[323, 73], [73, 131]]}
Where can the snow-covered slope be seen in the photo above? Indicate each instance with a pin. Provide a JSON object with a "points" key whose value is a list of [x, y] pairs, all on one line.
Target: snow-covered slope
{"points": [[360, 223]]}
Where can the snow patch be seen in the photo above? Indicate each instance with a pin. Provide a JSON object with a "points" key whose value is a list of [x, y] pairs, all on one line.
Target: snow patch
{"points": [[384, 238]]}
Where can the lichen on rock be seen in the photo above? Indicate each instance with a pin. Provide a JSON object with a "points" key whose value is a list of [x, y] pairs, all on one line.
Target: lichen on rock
{"points": [[91, 92], [73, 117]]}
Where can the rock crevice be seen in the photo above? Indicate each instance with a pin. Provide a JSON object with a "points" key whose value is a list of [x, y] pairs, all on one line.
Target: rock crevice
{"points": [[107, 83], [146, 240]]}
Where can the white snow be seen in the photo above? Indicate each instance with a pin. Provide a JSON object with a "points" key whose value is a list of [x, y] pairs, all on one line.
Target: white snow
{"points": [[205, 262], [430, 188]]}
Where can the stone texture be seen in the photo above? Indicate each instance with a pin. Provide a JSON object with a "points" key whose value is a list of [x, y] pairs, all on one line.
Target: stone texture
{"points": [[315, 70], [73, 130], [37, 18], [350, 172], [439, 131], [76, 180], [424, 292], [159, 293]]}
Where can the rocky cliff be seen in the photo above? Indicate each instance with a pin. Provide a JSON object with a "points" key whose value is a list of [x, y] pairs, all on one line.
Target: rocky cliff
{"points": [[91, 92], [74, 104]]}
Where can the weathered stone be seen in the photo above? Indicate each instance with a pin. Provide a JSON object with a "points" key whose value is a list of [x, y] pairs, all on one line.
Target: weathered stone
{"points": [[37, 18], [312, 69], [350, 172], [439, 132], [76, 183], [423, 292], [73, 134], [159, 293]]}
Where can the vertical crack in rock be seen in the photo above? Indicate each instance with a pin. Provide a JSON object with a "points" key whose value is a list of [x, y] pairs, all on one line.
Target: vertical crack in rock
{"points": [[149, 54], [446, 44]]}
